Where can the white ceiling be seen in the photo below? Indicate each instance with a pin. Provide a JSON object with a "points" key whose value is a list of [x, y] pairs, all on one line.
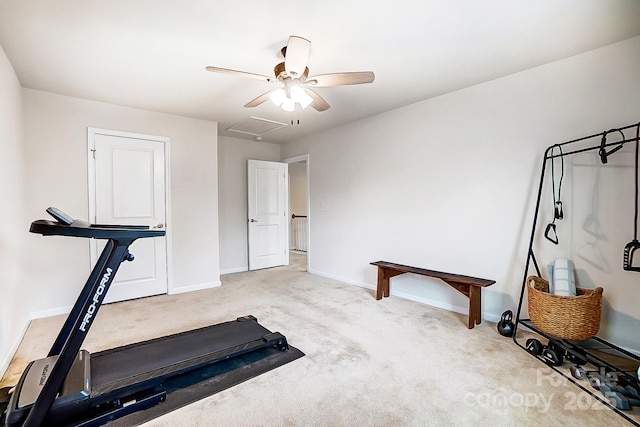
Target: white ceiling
{"points": [[152, 54]]}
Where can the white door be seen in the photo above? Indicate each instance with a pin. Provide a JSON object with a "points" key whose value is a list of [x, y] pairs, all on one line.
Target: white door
{"points": [[127, 178], [267, 208]]}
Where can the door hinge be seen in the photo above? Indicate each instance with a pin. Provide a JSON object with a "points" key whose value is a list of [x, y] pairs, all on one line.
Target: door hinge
{"points": [[93, 153]]}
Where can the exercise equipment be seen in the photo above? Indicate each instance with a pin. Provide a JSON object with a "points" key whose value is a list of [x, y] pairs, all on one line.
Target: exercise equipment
{"points": [[596, 351], [73, 387], [553, 356], [607, 382], [505, 325], [551, 353], [551, 233], [534, 346], [620, 397], [602, 375], [576, 356], [631, 247], [604, 154], [619, 400]]}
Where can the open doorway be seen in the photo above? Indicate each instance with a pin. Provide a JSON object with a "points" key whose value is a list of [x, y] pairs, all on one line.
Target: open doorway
{"points": [[299, 236]]}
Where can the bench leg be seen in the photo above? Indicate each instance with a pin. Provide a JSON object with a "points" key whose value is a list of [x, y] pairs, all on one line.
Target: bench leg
{"points": [[383, 284], [475, 306]]}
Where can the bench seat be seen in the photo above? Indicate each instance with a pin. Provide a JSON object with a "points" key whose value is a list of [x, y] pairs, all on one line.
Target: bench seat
{"points": [[469, 286]]}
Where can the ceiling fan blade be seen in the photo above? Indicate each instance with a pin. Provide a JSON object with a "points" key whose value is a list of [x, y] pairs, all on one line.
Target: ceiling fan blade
{"points": [[296, 56], [341, 79], [240, 73], [259, 100], [318, 102]]}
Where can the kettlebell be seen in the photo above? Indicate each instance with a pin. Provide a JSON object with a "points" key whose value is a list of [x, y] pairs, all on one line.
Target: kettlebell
{"points": [[505, 325]]}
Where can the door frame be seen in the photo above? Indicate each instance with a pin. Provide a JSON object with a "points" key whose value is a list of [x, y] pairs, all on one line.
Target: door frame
{"points": [[304, 158], [91, 183]]}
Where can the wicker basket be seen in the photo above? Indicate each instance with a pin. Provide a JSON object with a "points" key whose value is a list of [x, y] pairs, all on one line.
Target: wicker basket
{"points": [[571, 318]]}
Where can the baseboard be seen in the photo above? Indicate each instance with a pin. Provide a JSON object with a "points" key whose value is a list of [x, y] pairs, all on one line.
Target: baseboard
{"points": [[67, 309], [234, 270], [434, 303], [197, 287], [4, 365], [50, 312], [342, 279]]}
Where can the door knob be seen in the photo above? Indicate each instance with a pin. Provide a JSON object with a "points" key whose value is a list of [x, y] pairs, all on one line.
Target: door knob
{"points": [[253, 220], [161, 225]]}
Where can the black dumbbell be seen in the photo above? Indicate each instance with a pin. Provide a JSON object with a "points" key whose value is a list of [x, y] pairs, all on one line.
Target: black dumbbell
{"points": [[534, 346], [596, 378], [618, 399], [628, 391], [631, 391], [552, 357], [609, 379], [552, 354], [576, 356], [580, 373]]}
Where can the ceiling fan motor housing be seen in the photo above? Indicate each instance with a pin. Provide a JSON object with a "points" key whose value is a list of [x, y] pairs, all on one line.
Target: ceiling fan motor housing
{"points": [[281, 73]]}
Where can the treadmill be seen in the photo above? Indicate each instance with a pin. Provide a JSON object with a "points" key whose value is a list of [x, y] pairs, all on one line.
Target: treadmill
{"points": [[73, 387]]}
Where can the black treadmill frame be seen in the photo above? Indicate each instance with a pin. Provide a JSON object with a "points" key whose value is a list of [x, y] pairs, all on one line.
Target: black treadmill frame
{"points": [[140, 390], [73, 332]]}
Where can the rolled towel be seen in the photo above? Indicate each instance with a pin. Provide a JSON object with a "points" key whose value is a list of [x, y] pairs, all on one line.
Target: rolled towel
{"points": [[564, 280]]}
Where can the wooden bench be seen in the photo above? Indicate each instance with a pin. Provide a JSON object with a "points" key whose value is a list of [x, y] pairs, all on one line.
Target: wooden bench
{"points": [[470, 287]]}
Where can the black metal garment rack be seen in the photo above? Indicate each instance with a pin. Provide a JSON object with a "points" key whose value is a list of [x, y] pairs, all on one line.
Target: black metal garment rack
{"points": [[593, 349]]}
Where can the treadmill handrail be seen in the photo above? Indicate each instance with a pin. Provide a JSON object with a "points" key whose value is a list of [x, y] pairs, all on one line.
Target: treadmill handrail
{"points": [[95, 231]]}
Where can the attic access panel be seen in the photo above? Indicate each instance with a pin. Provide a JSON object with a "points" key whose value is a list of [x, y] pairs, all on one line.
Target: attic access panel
{"points": [[256, 126]]}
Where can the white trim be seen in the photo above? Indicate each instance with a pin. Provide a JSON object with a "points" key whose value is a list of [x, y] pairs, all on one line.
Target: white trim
{"points": [[433, 303], [303, 158], [13, 348], [197, 287], [50, 312], [166, 141], [343, 280], [234, 270]]}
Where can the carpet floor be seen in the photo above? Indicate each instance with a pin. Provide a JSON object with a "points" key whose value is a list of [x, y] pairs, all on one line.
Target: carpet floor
{"points": [[391, 362]]}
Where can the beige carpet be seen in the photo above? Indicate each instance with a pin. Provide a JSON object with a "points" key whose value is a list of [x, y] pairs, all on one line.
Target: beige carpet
{"points": [[368, 363]]}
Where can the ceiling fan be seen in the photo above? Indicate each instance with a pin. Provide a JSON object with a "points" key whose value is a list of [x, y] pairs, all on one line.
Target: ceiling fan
{"points": [[293, 73]]}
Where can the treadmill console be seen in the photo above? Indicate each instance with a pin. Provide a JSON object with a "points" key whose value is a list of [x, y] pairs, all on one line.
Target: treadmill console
{"points": [[65, 225], [60, 216]]}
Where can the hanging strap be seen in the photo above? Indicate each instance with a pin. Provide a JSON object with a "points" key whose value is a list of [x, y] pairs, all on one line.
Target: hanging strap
{"points": [[557, 204], [550, 233], [604, 155], [635, 216]]}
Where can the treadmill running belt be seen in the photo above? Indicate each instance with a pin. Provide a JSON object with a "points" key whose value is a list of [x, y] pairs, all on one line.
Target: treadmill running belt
{"points": [[114, 368], [207, 381]]}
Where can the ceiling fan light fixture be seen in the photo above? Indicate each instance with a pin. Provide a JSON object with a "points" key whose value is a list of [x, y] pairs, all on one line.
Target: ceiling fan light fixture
{"points": [[278, 96], [300, 96], [293, 74], [288, 105]]}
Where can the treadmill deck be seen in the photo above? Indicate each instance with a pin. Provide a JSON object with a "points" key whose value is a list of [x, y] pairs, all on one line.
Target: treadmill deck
{"points": [[169, 355]]}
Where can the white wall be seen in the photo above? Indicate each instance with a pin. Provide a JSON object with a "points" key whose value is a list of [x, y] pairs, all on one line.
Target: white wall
{"points": [[13, 313], [55, 163], [449, 183], [233, 154]]}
